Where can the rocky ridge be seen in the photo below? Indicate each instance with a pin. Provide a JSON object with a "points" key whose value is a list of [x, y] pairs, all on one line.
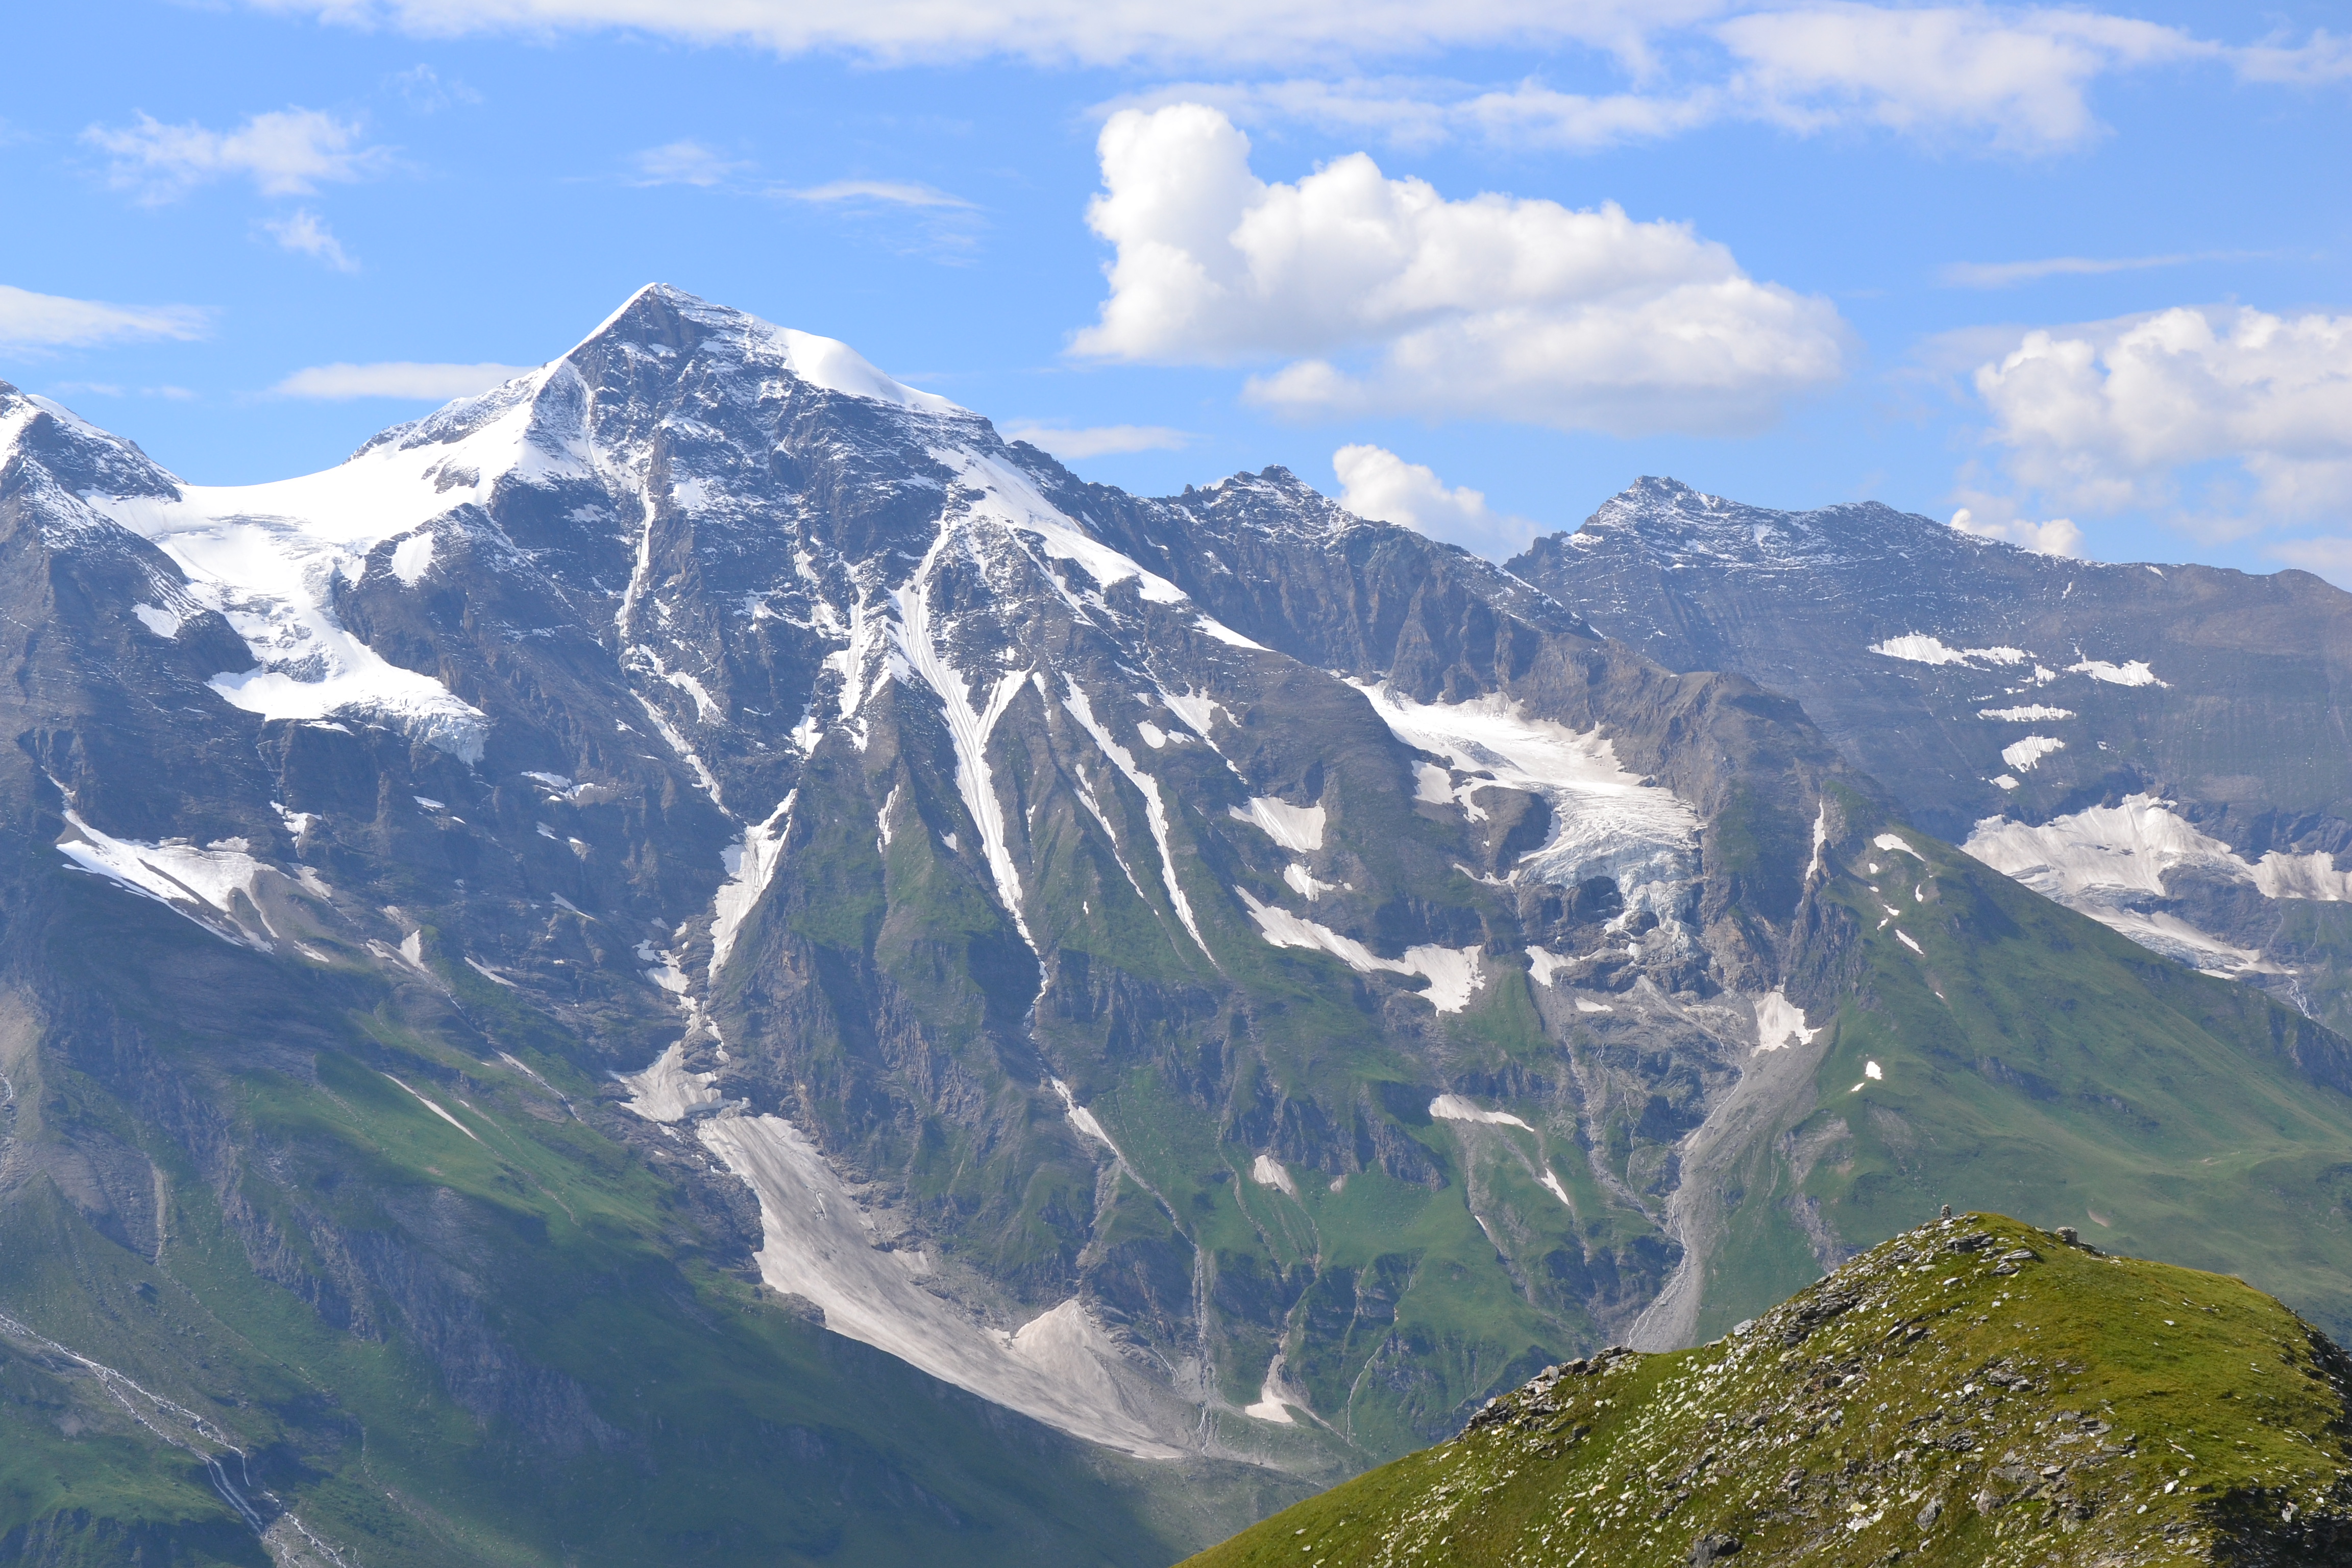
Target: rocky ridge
{"points": [[1973, 1391], [2158, 746]]}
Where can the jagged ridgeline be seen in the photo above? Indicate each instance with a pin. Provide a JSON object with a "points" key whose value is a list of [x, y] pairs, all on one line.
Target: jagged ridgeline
{"points": [[1974, 1392], [697, 959]]}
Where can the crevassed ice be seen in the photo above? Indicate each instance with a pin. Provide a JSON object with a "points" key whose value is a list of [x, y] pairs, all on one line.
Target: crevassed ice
{"points": [[1605, 821], [1453, 973]]}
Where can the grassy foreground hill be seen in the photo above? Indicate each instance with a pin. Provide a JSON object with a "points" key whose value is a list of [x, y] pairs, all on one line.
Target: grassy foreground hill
{"points": [[1974, 1391]]}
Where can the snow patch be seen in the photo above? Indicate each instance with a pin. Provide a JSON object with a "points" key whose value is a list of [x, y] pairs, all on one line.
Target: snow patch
{"points": [[1155, 809], [1305, 883], [1456, 1107], [412, 558], [1298, 829], [222, 888], [1551, 1184], [1543, 964], [2035, 713], [2135, 673], [750, 862], [2024, 754], [1920, 649], [663, 1090], [816, 1242], [1780, 1022], [1889, 841], [2312, 876], [1268, 1172], [163, 623], [1453, 973]]}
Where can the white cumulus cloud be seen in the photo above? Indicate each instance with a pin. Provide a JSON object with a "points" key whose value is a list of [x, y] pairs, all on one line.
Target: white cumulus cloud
{"points": [[2111, 417], [2059, 536], [397, 378], [1491, 306], [1378, 485], [1098, 440], [30, 321], [287, 152]]}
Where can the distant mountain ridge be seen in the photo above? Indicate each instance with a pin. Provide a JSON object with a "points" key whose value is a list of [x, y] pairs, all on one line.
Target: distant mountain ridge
{"points": [[704, 855], [2166, 748]]}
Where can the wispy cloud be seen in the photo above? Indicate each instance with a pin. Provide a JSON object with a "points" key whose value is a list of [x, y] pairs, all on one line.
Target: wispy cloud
{"points": [[2009, 274], [685, 162], [30, 321], [424, 90], [1100, 440], [397, 378], [888, 193], [305, 233], [284, 152]]}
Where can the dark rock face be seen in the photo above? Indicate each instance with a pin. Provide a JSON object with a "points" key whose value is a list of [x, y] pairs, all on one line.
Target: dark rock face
{"points": [[2184, 774]]}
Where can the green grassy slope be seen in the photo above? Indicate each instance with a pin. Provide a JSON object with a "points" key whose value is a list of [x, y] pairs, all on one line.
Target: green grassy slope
{"points": [[1973, 1392], [447, 1322], [2032, 1061]]}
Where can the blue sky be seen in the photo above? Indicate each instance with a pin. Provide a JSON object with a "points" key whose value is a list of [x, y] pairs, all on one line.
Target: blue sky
{"points": [[2081, 272]]}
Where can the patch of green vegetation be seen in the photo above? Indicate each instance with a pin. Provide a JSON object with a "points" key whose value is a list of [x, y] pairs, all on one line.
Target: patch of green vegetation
{"points": [[2028, 1059], [447, 1322], [1972, 1392]]}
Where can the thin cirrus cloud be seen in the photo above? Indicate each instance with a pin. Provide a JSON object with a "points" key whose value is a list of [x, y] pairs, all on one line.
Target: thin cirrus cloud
{"points": [[1383, 297], [39, 322], [2214, 416], [1377, 484], [889, 193], [1075, 444], [284, 153], [691, 163], [1053, 32], [685, 162], [2017, 81], [2009, 274], [421, 382]]}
